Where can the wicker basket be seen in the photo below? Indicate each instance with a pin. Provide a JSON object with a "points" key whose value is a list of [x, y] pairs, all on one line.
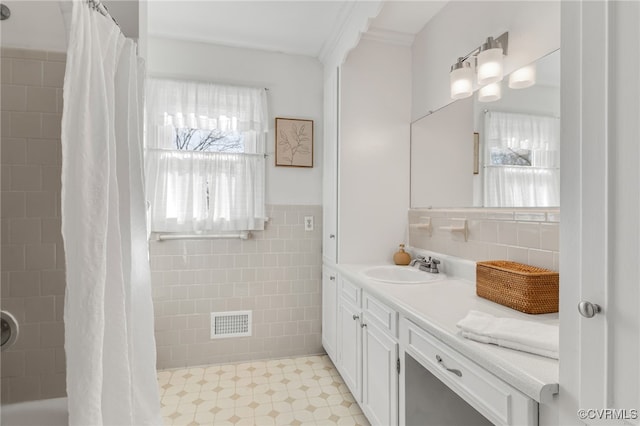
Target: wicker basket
{"points": [[522, 287]]}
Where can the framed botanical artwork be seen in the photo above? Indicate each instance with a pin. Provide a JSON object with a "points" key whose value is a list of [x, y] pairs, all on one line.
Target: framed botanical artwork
{"points": [[294, 142]]}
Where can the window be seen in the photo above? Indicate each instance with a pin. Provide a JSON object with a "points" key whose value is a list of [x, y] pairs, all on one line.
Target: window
{"points": [[522, 159], [204, 157]]}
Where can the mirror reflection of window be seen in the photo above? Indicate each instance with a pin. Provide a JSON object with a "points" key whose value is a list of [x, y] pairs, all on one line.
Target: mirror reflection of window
{"points": [[521, 160]]}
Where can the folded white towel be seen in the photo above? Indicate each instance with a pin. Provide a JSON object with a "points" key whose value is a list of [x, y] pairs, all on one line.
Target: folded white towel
{"points": [[521, 335]]}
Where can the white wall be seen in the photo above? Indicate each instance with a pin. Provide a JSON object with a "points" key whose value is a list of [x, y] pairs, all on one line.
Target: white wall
{"points": [[295, 90], [38, 25], [461, 26], [374, 151]]}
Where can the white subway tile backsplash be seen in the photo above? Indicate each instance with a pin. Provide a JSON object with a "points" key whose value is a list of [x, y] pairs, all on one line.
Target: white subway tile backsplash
{"points": [[508, 233], [541, 258], [518, 254], [549, 236], [553, 216], [531, 216], [526, 236]]}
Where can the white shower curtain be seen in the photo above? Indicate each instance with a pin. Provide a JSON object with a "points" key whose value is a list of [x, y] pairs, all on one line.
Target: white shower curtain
{"points": [[109, 340]]}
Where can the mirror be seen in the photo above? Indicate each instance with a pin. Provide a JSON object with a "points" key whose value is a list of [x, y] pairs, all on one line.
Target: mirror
{"points": [[497, 154]]}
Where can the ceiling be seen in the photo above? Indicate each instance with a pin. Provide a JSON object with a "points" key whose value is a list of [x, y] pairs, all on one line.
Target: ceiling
{"points": [[296, 27]]}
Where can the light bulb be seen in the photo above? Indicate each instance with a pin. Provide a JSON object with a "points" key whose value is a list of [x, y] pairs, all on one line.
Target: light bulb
{"points": [[523, 77], [461, 78], [489, 66], [491, 92]]}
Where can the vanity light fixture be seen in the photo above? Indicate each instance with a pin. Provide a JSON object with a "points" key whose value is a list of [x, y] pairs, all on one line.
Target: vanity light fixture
{"points": [[488, 64], [523, 77]]}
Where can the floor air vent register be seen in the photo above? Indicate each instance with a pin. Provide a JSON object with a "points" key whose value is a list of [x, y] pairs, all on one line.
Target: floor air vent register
{"points": [[230, 324]]}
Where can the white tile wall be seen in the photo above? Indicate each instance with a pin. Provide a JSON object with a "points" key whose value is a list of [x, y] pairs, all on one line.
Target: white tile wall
{"points": [[276, 275], [526, 236], [33, 276]]}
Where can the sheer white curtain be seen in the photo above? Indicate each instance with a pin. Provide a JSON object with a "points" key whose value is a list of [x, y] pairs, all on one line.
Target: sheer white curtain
{"points": [[108, 315], [195, 187], [522, 158]]}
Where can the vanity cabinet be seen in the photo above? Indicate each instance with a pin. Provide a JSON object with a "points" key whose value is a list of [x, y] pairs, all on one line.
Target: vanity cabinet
{"points": [[368, 353], [493, 398], [379, 374], [350, 336], [330, 311], [350, 347]]}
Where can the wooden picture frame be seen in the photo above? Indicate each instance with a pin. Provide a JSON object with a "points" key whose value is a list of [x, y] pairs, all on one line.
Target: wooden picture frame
{"points": [[294, 142], [476, 153]]}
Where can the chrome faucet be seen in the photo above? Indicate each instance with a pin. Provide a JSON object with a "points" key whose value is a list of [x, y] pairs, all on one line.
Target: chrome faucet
{"points": [[427, 265]]}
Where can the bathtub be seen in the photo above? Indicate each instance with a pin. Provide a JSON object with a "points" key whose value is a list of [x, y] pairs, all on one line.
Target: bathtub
{"points": [[50, 412]]}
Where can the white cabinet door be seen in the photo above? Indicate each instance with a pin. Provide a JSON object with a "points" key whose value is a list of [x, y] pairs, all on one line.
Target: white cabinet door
{"points": [[350, 347], [379, 376], [330, 168], [329, 311], [599, 354]]}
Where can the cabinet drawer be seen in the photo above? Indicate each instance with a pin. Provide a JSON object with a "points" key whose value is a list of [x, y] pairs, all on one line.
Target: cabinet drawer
{"points": [[501, 403], [350, 292], [381, 314]]}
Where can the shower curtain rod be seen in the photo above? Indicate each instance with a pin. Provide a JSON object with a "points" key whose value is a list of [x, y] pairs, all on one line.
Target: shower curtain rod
{"points": [[102, 9]]}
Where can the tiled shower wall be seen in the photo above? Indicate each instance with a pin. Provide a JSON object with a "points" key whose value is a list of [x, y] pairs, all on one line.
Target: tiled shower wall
{"points": [[276, 274], [525, 236], [33, 276]]}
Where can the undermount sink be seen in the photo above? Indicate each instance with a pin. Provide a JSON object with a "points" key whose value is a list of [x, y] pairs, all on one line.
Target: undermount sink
{"points": [[401, 275]]}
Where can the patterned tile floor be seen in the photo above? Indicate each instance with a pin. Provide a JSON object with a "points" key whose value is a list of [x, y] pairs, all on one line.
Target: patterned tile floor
{"points": [[292, 391]]}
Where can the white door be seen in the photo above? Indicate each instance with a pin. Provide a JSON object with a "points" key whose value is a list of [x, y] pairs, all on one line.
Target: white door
{"points": [[379, 376], [350, 347], [329, 311], [600, 195]]}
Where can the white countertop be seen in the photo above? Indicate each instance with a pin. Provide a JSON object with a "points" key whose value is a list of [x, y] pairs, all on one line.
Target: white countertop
{"points": [[438, 306]]}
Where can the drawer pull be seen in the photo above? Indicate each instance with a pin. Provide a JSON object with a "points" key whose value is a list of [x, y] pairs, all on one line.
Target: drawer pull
{"points": [[356, 317], [451, 370], [332, 278], [363, 325]]}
